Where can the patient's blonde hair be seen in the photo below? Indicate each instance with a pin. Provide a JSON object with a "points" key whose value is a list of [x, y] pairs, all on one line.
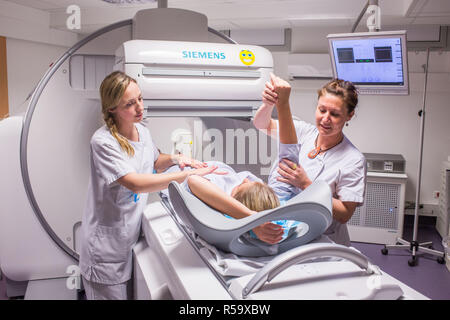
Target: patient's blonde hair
{"points": [[112, 90], [258, 197]]}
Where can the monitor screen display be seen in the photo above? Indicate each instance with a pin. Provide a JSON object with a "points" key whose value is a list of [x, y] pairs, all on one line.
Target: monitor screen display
{"points": [[371, 60]]}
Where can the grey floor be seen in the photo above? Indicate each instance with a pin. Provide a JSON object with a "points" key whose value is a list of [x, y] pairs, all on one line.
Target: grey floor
{"points": [[428, 277]]}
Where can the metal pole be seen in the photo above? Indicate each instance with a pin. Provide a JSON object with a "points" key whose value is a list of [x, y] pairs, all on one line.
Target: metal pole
{"points": [[419, 167], [363, 11]]}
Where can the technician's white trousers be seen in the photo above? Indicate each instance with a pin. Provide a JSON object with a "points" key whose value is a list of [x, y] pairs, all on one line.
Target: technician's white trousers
{"points": [[99, 291]]}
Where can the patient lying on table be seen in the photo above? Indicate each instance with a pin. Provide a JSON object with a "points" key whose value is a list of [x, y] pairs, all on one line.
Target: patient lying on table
{"points": [[239, 194]]}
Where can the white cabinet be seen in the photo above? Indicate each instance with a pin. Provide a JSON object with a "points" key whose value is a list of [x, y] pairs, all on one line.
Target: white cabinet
{"points": [[443, 216], [380, 218]]}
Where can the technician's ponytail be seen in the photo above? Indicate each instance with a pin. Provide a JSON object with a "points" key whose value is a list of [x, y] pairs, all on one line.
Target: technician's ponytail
{"points": [[112, 90]]}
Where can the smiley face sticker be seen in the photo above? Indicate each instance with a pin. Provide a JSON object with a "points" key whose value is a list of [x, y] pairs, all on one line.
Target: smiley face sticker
{"points": [[247, 57]]}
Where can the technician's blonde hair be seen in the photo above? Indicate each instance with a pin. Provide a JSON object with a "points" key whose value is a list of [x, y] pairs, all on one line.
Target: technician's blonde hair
{"points": [[258, 197], [112, 90]]}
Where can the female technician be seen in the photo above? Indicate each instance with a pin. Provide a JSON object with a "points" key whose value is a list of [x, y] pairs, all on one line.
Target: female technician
{"points": [[325, 152], [123, 157]]}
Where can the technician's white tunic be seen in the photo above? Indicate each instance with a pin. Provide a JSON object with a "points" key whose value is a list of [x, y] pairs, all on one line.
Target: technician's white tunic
{"points": [[112, 218], [342, 167]]}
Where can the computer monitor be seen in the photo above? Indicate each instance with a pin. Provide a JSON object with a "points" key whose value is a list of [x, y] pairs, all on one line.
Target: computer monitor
{"points": [[376, 62]]}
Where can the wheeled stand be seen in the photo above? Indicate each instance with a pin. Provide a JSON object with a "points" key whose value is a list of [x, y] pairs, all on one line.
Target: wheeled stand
{"points": [[415, 247]]}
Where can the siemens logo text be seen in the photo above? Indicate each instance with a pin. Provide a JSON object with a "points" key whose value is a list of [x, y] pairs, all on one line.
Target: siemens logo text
{"points": [[204, 55]]}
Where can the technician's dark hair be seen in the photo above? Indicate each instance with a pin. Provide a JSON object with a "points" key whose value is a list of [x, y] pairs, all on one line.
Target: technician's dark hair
{"points": [[345, 90]]}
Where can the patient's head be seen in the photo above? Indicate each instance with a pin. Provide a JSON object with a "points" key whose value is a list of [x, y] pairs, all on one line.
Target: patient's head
{"points": [[256, 196]]}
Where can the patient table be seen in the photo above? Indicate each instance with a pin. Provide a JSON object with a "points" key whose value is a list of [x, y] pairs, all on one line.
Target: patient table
{"points": [[171, 264]]}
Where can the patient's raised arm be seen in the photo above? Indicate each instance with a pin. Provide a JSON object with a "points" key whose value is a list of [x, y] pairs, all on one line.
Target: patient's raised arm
{"points": [[288, 141], [286, 126], [263, 116]]}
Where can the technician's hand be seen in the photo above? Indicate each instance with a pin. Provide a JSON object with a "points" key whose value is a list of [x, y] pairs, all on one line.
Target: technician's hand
{"points": [[293, 174], [269, 232], [269, 96], [185, 161], [282, 89]]}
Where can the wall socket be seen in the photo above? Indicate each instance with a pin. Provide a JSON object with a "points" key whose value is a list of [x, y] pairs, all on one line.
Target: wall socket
{"points": [[436, 194]]}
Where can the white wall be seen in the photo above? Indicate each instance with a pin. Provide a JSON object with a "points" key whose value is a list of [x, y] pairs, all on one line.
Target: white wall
{"points": [[27, 62], [32, 45], [21, 22]]}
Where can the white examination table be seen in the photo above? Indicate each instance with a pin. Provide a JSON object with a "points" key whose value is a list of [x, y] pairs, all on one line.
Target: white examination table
{"points": [[168, 265]]}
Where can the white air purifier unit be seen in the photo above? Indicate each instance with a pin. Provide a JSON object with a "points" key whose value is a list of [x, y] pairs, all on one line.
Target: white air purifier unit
{"points": [[380, 218]]}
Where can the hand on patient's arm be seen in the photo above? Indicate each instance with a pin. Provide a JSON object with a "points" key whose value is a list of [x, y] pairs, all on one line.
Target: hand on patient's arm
{"points": [[165, 161], [185, 161], [296, 177], [152, 182], [342, 211]]}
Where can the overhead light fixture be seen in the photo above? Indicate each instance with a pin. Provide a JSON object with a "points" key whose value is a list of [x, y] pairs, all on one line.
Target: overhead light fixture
{"points": [[129, 1]]}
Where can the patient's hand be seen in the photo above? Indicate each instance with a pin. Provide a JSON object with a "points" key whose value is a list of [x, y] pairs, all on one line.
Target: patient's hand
{"points": [[269, 232], [208, 170]]}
